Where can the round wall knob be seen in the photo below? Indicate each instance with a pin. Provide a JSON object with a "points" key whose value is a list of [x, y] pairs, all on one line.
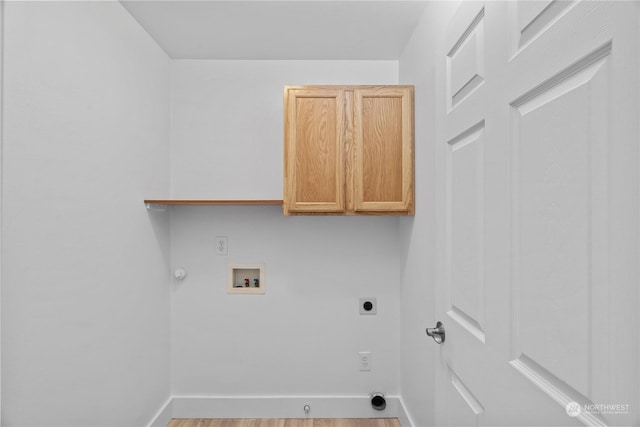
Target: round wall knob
{"points": [[180, 273]]}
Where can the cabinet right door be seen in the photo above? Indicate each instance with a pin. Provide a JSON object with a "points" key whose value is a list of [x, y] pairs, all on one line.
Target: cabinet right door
{"points": [[383, 150]]}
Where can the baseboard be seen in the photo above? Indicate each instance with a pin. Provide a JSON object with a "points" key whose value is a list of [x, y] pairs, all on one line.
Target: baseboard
{"points": [[404, 417], [277, 407], [164, 415]]}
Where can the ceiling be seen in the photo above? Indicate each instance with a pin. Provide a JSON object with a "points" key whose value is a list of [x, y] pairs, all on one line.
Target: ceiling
{"points": [[303, 29]]}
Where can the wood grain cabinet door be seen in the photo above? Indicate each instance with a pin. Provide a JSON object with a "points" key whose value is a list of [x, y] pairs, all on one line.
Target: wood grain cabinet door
{"points": [[383, 160], [314, 178]]}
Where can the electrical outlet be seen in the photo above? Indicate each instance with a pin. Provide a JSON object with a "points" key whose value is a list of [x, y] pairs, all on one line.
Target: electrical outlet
{"points": [[365, 360], [368, 306], [221, 245]]}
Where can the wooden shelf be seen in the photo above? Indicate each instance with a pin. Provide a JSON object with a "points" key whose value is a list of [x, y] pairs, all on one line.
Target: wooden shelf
{"points": [[172, 202]]}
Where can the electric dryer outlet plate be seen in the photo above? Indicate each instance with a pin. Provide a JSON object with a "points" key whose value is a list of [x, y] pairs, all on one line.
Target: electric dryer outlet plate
{"points": [[368, 306]]}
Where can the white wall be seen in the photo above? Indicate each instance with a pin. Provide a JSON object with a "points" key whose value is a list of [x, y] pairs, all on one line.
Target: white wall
{"points": [[227, 121], [85, 297], [303, 336], [1, 143], [419, 352]]}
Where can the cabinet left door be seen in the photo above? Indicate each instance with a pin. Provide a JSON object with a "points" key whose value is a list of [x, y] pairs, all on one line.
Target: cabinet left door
{"points": [[314, 132]]}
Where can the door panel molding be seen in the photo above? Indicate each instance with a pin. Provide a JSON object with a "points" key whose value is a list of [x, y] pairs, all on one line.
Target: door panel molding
{"points": [[465, 62], [532, 19], [560, 230], [557, 389], [465, 393], [464, 229], [464, 408]]}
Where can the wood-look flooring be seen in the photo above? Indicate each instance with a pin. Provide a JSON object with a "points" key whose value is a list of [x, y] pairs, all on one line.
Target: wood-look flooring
{"points": [[285, 422]]}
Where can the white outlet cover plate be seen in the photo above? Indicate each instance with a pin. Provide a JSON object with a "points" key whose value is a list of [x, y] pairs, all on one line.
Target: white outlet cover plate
{"points": [[365, 360], [222, 245]]}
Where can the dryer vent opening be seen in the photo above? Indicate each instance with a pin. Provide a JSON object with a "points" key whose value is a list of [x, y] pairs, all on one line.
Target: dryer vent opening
{"points": [[378, 401]]}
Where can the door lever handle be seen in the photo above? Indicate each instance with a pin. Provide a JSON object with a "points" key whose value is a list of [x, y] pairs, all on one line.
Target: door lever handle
{"points": [[437, 333]]}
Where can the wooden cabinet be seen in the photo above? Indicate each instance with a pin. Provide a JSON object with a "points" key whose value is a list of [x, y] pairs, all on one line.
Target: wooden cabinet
{"points": [[348, 150]]}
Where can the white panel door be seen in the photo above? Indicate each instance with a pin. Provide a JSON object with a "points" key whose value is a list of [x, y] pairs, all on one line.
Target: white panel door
{"points": [[538, 191]]}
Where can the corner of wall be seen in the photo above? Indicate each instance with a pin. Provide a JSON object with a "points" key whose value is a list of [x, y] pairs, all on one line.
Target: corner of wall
{"points": [[1, 177], [417, 66], [163, 416]]}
